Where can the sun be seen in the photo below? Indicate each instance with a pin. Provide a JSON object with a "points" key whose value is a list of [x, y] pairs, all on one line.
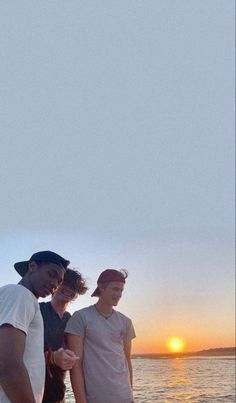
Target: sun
{"points": [[175, 345]]}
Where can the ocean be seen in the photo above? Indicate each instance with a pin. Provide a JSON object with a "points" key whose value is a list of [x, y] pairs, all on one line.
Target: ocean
{"points": [[191, 379]]}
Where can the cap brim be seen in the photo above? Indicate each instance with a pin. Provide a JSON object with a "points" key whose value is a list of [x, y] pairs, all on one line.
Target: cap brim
{"points": [[21, 267], [95, 293]]}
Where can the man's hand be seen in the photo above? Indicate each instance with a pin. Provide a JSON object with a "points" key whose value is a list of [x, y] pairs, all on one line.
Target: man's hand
{"points": [[65, 359]]}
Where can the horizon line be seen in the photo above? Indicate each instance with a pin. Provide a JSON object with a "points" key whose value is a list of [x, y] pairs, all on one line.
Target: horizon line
{"points": [[174, 354]]}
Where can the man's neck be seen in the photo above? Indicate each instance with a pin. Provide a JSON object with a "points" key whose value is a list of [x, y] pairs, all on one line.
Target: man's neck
{"points": [[104, 308], [59, 307]]}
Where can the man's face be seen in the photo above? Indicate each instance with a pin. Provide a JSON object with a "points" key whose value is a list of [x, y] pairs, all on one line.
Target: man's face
{"points": [[112, 293], [65, 294], [45, 279]]}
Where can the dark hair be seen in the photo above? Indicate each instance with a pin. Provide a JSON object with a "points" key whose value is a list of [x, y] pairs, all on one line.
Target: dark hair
{"points": [[74, 280]]}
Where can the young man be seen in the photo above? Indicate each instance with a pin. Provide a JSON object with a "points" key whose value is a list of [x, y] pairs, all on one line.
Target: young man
{"points": [[55, 318], [22, 363], [101, 337]]}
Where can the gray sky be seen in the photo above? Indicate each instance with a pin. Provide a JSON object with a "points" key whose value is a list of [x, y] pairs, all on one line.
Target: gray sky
{"points": [[117, 136]]}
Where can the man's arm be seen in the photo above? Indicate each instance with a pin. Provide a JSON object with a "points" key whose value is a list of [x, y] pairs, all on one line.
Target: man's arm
{"points": [[76, 344], [127, 351], [14, 377]]}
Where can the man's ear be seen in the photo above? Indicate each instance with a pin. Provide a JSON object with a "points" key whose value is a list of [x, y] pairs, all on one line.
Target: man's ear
{"points": [[101, 287], [32, 267]]}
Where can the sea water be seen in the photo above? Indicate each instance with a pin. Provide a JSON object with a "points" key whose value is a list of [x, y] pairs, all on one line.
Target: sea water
{"points": [[192, 379]]}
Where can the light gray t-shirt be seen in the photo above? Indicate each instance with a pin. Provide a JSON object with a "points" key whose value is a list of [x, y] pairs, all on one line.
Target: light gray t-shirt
{"points": [[20, 308], [105, 366]]}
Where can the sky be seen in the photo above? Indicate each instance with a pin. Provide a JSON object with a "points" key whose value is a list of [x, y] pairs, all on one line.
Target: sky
{"points": [[117, 151]]}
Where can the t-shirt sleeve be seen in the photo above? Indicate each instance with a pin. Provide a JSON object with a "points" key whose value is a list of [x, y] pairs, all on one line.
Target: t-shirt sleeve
{"points": [[130, 332], [16, 308], [76, 324]]}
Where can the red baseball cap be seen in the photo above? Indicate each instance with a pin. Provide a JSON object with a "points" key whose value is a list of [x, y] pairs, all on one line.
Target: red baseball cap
{"points": [[110, 275]]}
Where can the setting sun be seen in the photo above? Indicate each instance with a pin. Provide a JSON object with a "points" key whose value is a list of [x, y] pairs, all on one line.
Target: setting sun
{"points": [[175, 345]]}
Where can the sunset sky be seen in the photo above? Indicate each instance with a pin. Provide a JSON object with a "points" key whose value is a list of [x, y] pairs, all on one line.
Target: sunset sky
{"points": [[117, 151]]}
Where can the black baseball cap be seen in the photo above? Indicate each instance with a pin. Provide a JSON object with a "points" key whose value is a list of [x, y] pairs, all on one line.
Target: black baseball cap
{"points": [[44, 256]]}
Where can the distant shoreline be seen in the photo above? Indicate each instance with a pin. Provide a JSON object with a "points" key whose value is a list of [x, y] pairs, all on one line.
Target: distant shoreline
{"points": [[212, 352]]}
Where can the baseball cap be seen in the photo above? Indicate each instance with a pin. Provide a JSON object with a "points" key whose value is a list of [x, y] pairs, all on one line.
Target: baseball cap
{"points": [[44, 256], [109, 275]]}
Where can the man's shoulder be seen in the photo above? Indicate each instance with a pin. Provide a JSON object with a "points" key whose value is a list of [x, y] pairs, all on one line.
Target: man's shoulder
{"points": [[84, 311], [18, 306], [10, 287], [126, 324], [79, 321], [44, 307], [122, 316], [83, 315], [17, 291], [7, 287]]}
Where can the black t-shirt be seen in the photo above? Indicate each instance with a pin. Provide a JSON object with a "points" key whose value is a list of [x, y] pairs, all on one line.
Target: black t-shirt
{"points": [[54, 327]]}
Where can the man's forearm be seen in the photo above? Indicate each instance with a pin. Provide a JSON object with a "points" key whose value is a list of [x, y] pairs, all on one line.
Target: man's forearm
{"points": [[130, 371], [16, 384], [77, 382]]}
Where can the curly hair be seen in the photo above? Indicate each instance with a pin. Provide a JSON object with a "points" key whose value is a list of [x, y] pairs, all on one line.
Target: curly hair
{"points": [[74, 280]]}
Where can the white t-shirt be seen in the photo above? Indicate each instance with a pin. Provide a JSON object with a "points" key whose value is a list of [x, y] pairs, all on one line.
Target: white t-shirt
{"points": [[20, 308], [104, 363]]}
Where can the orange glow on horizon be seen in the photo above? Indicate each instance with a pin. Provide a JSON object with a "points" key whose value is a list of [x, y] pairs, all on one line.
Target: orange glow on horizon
{"points": [[156, 342]]}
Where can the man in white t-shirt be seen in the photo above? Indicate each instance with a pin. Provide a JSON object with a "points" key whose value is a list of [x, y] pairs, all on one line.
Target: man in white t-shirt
{"points": [[101, 337], [22, 363]]}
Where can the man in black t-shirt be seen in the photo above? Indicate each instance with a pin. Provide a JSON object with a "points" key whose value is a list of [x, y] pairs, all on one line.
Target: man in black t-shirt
{"points": [[55, 317]]}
